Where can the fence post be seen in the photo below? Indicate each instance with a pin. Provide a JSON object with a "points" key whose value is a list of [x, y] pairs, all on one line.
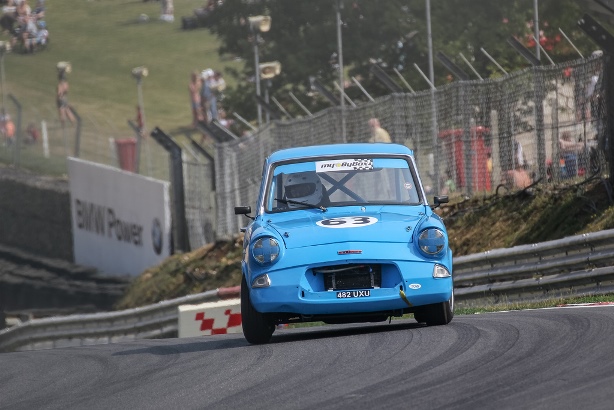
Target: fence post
{"points": [[139, 137], [540, 95], [205, 154], [77, 131], [176, 177], [468, 149]]}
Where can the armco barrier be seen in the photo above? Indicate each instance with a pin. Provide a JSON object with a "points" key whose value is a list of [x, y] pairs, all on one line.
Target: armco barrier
{"points": [[582, 264], [152, 321], [576, 265]]}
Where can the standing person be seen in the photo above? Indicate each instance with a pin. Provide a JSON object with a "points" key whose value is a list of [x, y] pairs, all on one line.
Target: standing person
{"points": [[378, 134], [62, 94], [194, 88], [595, 101], [7, 127], [212, 87], [168, 11], [218, 85], [569, 151], [205, 94]]}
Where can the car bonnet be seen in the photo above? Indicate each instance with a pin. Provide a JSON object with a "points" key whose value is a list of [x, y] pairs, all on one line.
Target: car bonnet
{"points": [[330, 227]]}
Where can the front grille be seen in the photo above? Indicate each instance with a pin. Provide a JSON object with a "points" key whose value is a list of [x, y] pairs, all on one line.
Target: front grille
{"points": [[349, 277]]}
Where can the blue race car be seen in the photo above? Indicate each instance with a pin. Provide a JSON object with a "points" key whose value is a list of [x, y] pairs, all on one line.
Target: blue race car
{"points": [[343, 233]]}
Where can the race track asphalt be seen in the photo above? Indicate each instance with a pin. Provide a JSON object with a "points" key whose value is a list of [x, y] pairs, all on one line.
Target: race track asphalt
{"points": [[536, 359]]}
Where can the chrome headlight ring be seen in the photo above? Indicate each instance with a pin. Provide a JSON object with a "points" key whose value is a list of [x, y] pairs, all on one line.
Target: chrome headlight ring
{"points": [[432, 242], [265, 250]]}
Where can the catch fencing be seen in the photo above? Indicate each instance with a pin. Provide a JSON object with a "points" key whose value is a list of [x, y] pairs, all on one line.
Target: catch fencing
{"points": [[542, 124], [42, 142]]}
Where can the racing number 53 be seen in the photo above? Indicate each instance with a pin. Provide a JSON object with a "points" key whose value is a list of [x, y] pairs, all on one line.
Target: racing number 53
{"points": [[347, 222]]}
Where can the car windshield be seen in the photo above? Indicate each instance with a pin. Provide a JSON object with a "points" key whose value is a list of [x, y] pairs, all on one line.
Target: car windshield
{"points": [[341, 182]]}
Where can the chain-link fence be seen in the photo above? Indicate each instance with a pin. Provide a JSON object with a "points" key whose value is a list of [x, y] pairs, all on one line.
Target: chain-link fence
{"points": [[541, 124], [470, 138], [39, 142]]}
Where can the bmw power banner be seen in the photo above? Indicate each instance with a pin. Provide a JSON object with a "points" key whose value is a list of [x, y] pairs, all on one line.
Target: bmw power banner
{"points": [[120, 220]]}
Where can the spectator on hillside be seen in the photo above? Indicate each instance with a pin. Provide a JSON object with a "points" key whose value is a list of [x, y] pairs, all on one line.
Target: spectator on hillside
{"points": [[35, 36], [594, 96], [518, 177], [378, 134], [569, 151], [519, 159], [7, 128], [567, 145], [218, 84], [42, 35], [168, 11], [195, 100], [64, 110], [201, 15], [224, 121], [8, 20], [39, 10], [29, 34], [449, 186], [23, 9], [32, 134], [208, 99]]}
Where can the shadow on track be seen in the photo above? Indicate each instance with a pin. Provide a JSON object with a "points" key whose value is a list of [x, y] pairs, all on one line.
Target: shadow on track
{"points": [[207, 343]]}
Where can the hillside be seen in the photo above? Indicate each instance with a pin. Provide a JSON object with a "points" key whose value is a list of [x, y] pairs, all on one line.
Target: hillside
{"points": [[104, 41], [535, 215]]}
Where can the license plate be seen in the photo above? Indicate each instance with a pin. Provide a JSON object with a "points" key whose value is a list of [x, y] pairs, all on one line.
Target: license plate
{"points": [[353, 294]]}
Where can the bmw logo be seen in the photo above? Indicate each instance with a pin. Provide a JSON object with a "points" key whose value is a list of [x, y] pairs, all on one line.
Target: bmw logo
{"points": [[156, 236]]}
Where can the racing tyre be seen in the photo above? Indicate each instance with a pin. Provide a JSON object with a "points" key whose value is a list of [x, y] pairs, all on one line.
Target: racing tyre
{"points": [[436, 314], [256, 328]]}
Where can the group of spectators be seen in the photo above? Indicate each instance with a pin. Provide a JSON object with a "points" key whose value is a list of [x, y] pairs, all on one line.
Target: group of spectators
{"points": [[25, 24], [206, 90], [201, 15], [7, 131]]}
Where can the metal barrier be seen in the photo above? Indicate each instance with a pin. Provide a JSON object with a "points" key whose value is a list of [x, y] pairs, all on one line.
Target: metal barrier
{"points": [[576, 265], [148, 322]]}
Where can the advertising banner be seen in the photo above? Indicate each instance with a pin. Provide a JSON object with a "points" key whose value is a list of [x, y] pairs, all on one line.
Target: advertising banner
{"points": [[121, 221]]}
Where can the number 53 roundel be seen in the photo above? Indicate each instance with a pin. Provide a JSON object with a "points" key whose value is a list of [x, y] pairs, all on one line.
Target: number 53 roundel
{"points": [[347, 222]]}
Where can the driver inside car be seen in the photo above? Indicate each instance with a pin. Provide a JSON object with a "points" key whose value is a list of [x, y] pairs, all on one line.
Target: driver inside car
{"points": [[305, 187]]}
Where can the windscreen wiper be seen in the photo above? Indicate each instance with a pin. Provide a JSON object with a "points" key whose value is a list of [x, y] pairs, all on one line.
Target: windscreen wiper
{"points": [[290, 201]]}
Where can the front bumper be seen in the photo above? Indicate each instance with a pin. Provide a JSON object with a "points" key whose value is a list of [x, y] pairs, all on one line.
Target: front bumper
{"points": [[300, 290]]}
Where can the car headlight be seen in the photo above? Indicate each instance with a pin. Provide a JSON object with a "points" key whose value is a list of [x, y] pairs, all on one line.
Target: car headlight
{"points": [[440, 271], [431, 241], [265, 250]]}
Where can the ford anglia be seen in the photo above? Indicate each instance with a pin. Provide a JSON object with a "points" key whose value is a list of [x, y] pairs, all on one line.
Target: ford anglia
{"points": [[343, 233]]}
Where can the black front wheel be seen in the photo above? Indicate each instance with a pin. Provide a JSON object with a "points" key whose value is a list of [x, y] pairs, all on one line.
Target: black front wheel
{"points": [[436, 314], [256, 328]]}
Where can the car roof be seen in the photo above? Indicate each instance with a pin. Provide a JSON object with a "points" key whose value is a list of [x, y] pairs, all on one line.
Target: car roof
{"points": [[339, 149]]}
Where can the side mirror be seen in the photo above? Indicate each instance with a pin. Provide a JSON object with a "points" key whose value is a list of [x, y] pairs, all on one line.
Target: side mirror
{"points": [[438, 200], [243, 210]]}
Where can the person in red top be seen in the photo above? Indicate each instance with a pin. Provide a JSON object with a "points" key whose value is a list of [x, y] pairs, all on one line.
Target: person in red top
{"points": [[9, 129]]}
